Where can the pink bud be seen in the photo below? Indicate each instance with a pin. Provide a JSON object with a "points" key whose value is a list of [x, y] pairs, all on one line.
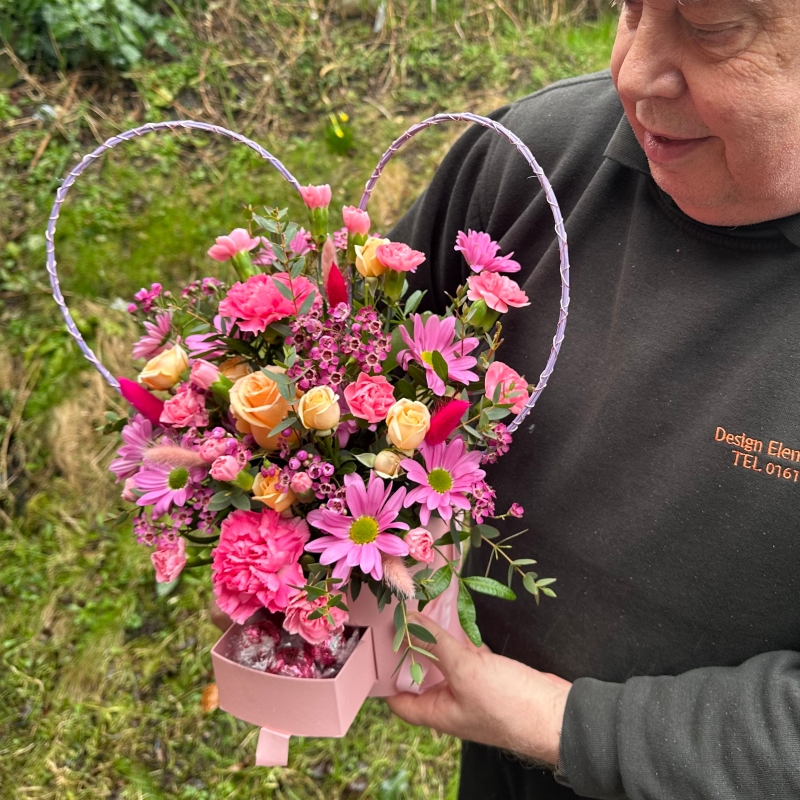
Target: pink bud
{"points": [[301, 483], [225, 468], [316, 196], [203, 373], [127, 492], [420, 545], [355, 220], [212, 449]]}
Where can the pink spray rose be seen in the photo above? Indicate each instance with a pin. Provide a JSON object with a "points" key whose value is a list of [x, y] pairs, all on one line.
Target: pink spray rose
{"points": [[399, 257], [226, 468], [316, 196], [257, 303], [314, 631], [211, 449], [301, 483], [203, 373], [184, 409], [355, 220], [237, 241], [370, 397], [256, 563], [169, 560], [501, 374], [420, 545], [497, 291]]}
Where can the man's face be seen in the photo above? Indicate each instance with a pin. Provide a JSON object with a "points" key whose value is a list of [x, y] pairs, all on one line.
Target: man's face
{"points": [[712, 90]]}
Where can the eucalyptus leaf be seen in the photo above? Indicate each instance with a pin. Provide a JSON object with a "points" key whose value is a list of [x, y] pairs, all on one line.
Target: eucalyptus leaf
{"points": [[307, 303], [423, 634], [416, 673], [283, 425], [529, 582], [284, 290], [241, 501], [412, 304], [398, 639]]}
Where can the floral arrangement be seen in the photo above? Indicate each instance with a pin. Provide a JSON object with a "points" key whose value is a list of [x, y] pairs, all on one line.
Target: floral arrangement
{"points": [[300, 430]]}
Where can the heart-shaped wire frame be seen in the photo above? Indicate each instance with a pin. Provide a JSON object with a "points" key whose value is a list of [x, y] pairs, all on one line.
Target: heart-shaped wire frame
{"points": [[485, 122]]}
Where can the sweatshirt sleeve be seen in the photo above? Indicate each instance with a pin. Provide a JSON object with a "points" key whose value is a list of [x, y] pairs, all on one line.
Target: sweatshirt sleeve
{"points": [[453, 202], [710, 734]]}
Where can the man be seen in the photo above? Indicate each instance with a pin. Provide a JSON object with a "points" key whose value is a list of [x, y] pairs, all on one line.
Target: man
{"points": [[661, 480]]}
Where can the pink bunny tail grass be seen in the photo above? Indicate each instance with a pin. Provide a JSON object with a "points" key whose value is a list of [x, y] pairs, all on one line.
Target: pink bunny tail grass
{"points": [[144, 402], [171, 455], [397, 577], [445, 420]]}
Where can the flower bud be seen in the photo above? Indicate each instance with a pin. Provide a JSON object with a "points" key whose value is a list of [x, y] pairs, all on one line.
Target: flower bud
{"points": [[387, 464]]}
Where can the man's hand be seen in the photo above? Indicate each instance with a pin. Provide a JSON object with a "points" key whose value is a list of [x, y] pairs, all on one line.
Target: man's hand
{"points": [[489, 699], [218, 616]]}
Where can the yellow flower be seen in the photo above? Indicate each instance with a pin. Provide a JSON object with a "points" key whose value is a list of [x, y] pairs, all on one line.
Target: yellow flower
{"points": [[387, 464], [258, 406], [366, 261], [318, 409], [264, 491], [235, 368], [164, 370], [409, 422]]}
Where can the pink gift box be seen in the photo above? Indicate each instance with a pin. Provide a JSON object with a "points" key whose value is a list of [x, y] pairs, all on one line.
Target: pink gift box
{"points": [[284, 707]]}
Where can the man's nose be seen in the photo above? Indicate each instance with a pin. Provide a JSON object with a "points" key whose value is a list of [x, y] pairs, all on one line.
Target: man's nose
{"points": [[652, 65]]}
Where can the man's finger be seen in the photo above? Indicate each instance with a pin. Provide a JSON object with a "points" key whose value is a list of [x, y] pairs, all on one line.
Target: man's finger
{"points": [[449, 652], [422, 709]]}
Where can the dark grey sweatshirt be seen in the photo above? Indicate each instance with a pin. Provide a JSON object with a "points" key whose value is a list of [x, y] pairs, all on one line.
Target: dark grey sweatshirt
{"points": [[661, 479]]}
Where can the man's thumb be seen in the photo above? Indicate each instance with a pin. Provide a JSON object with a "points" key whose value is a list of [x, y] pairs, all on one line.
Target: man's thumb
{"points": [[447, 650]]}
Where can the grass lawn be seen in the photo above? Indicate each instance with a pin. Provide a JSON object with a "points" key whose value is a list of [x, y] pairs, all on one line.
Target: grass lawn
{"points": [[101, 694]]}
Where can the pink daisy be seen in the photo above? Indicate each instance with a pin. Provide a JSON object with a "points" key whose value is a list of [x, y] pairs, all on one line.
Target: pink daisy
{"points": [[437, 334], [138, 437], [155, 341], [447, 477], [165, 486], [359, 540]]}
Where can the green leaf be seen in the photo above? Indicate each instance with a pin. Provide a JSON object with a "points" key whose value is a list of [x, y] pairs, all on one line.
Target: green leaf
{"points": [[439, 581], [416, 673], [417, 374], [307, 303], [221, 500], [466, 615], [355, 589], [267, 224], [447, 538], [283, 425], [279, 377], [548, 592], [523, 562], [440, 365], [529, 582], [299, 266], [413, 302], [399, 621], [314, 592], [403, 389], [241, 501], [164, 589], [284, 290], [487, 531], [367, 459], [318, 613], [398, 639], [497, 413], [423, 634], [545, 582], [489, 586]]}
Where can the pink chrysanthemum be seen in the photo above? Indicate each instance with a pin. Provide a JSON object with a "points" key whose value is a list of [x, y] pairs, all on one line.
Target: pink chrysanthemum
{"points": [[164, 486], [156, 340], [445, 481], [437, 334], [497, 291], [138, 437], [358, 540], [256, 563]]}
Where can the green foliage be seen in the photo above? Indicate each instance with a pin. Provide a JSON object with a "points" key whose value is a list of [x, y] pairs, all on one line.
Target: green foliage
{"points": [[70, 33]]}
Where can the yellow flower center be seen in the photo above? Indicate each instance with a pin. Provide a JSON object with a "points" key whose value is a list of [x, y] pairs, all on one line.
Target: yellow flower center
{"points": [[440, 480], [364, 530], [178, 478]]}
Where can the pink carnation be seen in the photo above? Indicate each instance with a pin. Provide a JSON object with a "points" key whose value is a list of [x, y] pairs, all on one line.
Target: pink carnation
{"points": [[237, 241], [399, 257], [185, 409], [226, 468], [497, 291], [316, 196], [255, 564], [513, 387], [257, 303], [169, 560], [370, 397], [211, 449], [203, 373], [314, 631], [420, 545], [355, 220]]}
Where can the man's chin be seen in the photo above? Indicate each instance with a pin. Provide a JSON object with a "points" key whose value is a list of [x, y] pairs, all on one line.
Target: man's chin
{"points": [[694, 196]]}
